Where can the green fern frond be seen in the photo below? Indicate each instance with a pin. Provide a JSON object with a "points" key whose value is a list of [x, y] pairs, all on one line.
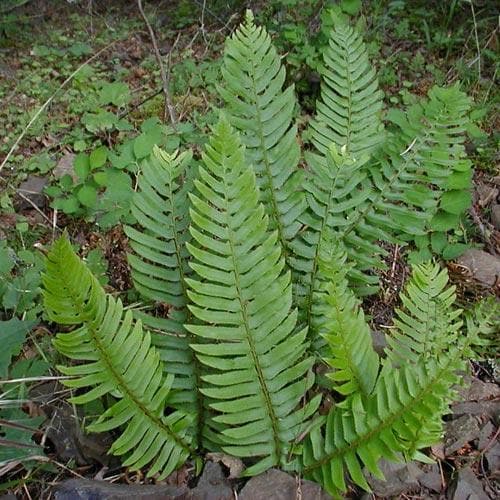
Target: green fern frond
{"points": [[160, 206], [427, 325], [386, 424], [243, 299], [432, 133], [403, 413], [117, 359], [159, 266], [341, 323], [348, 112], [262, 112]]}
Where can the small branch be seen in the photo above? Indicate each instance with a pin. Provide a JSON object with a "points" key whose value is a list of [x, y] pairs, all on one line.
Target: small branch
{"points": [[163, 74]]}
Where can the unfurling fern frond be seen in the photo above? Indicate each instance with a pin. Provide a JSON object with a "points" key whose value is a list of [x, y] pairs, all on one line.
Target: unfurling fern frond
{"points": [[159, 267], [348, 112], [117, 359], [403, 412], [262, 112], [242, 298], [341, 323]]}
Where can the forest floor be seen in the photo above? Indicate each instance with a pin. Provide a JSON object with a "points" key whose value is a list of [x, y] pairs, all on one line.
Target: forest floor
{"points": [[80, 89]]}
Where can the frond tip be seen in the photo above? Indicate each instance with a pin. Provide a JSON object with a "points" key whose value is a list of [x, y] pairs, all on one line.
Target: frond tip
{"points": [[116, 359]]}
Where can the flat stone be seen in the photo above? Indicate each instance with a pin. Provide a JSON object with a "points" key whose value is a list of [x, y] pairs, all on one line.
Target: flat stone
{"points": [[86, 489], [459, 432], [482, 391], [212, 485], [399, 478], [65, 166], [466, 487], [431, 478], [492, 455], [495, 216], [490, 409], [483, 266], [278, 485], [485, 435], [31, 190]]}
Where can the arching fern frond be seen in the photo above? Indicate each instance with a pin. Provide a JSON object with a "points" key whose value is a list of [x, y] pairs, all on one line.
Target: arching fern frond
{"points": [[389, 422], [340, 321], [117, 359], [159, 266], [242, 298], [262, 112], [348, 112], [403, 412]]}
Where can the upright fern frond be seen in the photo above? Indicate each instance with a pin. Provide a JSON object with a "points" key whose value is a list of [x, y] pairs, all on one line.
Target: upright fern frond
{"points": [[159, 267], [262, 112], [243, 299], [403, 412], [117, 359], [348, 112], [341, 323], [427, 325]]}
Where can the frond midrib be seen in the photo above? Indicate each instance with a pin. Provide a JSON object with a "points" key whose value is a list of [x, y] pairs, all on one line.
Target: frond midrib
{"points": [[276, 214], [200, 409], [120, 381], [314, 271], [251, 344]]}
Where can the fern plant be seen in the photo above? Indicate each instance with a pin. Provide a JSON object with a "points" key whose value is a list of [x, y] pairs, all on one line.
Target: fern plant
{"points": [[260, 265]]}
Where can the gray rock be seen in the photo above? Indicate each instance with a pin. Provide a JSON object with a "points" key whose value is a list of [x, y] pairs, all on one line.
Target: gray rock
{"points": [[31, 190], [399, 478], [431, 478], [495, 216], [483, 266], [480, 391], [212, 485], [492, 455], [459, 432], [65, 166], [485, 436], [278, 485], [85, 489], [490, 409], [466, 487]]}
